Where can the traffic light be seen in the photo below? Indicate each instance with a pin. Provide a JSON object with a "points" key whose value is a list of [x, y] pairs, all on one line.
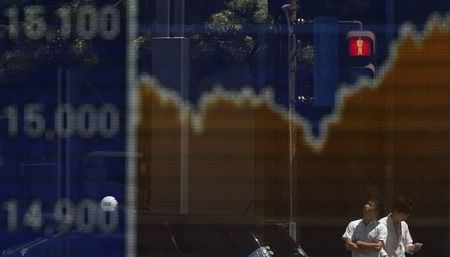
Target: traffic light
{"points": [[361, 54]]}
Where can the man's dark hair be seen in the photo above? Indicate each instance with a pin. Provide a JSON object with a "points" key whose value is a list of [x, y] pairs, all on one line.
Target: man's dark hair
{"points": [[378, 202], [403, 204]]}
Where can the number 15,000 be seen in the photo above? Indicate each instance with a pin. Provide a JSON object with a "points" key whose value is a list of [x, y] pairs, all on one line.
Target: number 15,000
{"points": [[85, 120]]}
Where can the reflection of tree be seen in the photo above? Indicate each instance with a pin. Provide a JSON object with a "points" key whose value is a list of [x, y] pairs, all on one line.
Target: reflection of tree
{"points": [[53, 49], [305, 55], [231, 34], [25, 54]]}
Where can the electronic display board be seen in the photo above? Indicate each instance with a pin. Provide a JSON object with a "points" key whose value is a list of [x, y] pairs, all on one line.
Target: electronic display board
{"points": [[64, 81]]}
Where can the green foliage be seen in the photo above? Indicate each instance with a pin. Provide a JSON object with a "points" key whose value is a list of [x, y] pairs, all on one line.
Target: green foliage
{"points": [[231, 33], [305, 55], [144, 41], [24, 53]]}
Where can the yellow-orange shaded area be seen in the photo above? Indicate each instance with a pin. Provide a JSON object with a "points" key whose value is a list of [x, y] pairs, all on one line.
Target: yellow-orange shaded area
{"points": [[387, 136]]}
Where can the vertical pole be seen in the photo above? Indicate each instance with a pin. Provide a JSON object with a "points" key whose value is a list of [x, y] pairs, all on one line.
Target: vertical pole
{"points": [[292, 138], [293, 51], [184, 141], [291, 16], [132, 7], [389, 173], [168, 19]]}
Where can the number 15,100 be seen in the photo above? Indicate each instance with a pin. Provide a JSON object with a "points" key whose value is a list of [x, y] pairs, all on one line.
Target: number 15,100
{"points": [[85, 120], [89, 22]]}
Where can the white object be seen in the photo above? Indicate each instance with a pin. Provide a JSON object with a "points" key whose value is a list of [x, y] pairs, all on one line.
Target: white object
{"points": [[109, 203]]}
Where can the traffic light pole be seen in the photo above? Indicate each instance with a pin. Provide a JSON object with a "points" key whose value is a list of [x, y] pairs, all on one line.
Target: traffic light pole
{"points": [[290, 11]]}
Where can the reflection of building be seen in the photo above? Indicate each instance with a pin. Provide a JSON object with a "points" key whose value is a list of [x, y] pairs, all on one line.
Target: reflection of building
{"points": [[170, 49], [170, 66]]}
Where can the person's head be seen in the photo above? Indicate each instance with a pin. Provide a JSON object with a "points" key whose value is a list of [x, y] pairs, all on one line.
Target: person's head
{"points": [[373, 207], [402, 208]]}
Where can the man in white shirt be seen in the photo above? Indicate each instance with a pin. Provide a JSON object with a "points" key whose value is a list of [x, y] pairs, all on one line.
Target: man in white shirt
{"points": [[399, 239], [366, 237]]}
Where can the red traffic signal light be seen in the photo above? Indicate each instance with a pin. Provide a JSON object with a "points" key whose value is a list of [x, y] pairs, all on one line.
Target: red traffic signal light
{"points": [[361, 55], [359, 46], [360, 43]]}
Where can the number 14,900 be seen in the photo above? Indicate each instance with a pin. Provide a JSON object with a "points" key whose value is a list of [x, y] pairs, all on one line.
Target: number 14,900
{"points": [[85, 216]]}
